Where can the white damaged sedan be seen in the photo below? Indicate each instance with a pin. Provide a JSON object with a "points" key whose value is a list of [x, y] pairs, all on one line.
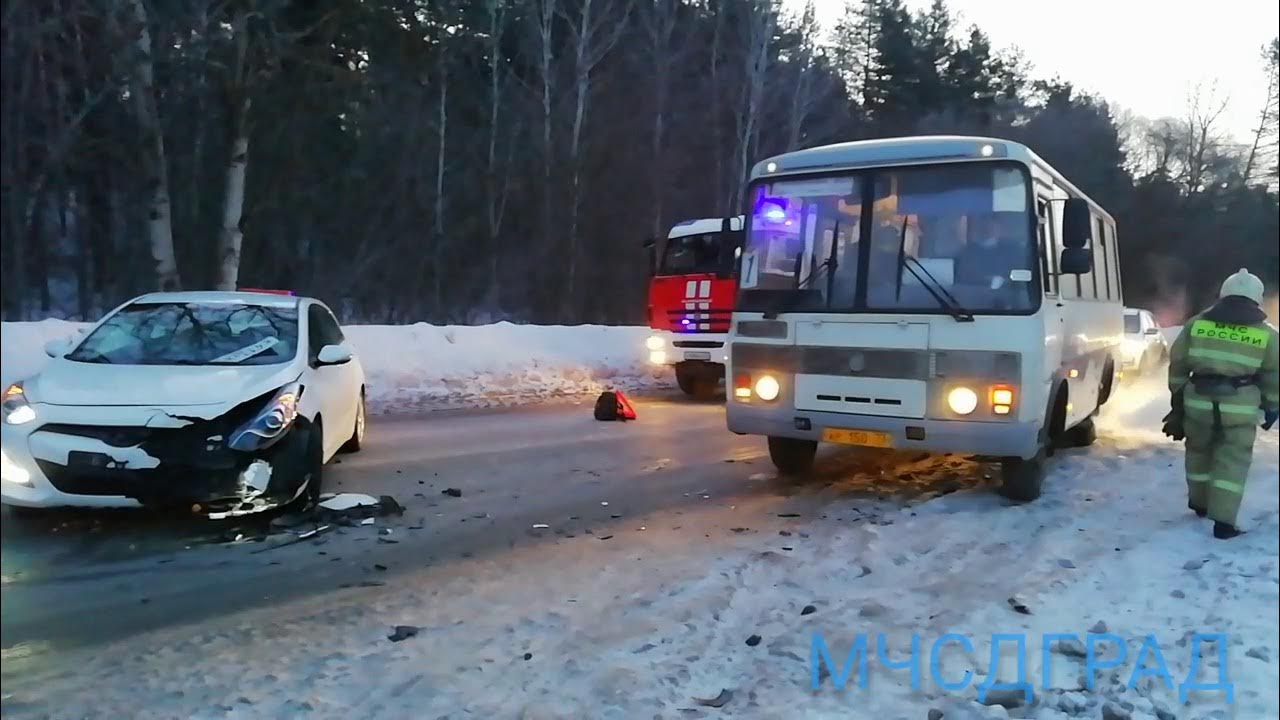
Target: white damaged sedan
{"points": [[221, 403]]}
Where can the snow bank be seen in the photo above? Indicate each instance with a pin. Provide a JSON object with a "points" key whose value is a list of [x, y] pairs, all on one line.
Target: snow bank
{"points": [[417, 367], [22, 346], [424, 366]]}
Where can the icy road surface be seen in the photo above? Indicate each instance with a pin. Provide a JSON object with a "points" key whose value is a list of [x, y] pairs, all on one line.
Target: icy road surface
{"points": [[668, 545]]}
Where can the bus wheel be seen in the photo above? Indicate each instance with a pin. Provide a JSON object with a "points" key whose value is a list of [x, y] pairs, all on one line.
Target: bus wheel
{"points": [[792, 456], [1021, 479], [1108, 383], [1082, 435]]}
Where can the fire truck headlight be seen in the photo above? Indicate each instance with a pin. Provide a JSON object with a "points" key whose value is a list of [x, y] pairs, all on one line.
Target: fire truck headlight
{"points": [[767, 388], [655, 342], [658, 357]]}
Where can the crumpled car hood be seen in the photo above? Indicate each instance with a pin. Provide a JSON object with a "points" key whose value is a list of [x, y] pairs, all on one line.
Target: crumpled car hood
{"points": [[64, 382]]}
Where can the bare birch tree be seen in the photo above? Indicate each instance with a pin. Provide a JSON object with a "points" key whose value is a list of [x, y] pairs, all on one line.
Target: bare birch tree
{"points": [[1263, 149], [1203, 141], [594, 34], [659, 18], [802, 97], [545, 19], [497, 179], [238, 101], [759, 27], [143, 91]]}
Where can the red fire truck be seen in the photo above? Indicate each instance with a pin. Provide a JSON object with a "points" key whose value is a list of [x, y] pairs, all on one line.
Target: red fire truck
{"points": [[691, 294]]}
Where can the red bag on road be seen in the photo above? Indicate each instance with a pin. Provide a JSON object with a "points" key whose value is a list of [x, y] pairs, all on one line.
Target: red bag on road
{"points": [[614, 405]]}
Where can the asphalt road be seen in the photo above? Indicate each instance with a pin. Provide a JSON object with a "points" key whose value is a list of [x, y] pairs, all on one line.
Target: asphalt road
{"points": [[77, 579]]}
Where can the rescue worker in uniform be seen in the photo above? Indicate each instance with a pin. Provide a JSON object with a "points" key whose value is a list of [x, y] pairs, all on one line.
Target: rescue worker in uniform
{"points": [[1225, 365]]}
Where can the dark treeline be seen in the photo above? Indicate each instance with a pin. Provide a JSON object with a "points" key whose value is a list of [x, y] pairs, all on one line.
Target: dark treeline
{"points": [[469, 160]]}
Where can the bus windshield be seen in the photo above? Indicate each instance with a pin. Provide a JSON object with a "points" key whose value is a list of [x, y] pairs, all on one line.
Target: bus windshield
{"points": [[703, 253], [936, 235]]}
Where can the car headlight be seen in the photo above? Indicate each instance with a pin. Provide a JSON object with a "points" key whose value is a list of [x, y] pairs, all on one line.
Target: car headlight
{"points": [[962, 400], [271, 423], [16, 408], [655, 342], [767, 388]]}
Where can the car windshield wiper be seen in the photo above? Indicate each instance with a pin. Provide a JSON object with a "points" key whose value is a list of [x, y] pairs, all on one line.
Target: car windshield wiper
{"points": [[89, 356]]}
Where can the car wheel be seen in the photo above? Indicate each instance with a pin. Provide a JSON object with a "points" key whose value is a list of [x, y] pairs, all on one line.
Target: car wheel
{"points": [[792, 456], [314, 477], [354, 443]]}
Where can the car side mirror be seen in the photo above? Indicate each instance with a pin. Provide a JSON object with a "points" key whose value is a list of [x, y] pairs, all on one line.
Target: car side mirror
{"points": [[1075, 261], [333, 355], [57, 348]]}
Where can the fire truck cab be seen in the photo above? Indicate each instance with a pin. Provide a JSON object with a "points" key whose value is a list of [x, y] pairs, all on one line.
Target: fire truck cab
{"points": [[691, 293]]}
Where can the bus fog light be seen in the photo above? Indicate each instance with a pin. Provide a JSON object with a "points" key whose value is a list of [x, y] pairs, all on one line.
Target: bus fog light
{"points": [[658, 357], [767, 388], [655, 342], [962, 400]]}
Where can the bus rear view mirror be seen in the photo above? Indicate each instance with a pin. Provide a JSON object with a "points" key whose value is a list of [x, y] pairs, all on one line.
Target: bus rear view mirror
{"points": [[1076, 261], [1075, 223]]}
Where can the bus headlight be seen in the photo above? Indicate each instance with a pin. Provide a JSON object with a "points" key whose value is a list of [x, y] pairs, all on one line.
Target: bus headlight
{"points": [[655, 342], [962, 400], [767, 388]]}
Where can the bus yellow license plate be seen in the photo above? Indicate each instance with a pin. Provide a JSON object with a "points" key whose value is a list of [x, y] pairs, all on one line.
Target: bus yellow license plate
{"points": [[866, 438]]}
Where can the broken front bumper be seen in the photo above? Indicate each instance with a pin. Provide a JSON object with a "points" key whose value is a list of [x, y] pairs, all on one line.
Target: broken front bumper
{"points": [[126, 457]]}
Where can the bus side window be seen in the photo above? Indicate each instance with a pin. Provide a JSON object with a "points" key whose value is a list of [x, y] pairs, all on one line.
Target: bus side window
{"points": [[1102, 258], [1048, 258], [1089, 281], [1115, 261]]}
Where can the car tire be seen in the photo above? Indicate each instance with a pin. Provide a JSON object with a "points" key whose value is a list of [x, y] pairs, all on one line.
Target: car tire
{"points": [[356, 441], [315, 466], [791, 456], [1021, 479]]}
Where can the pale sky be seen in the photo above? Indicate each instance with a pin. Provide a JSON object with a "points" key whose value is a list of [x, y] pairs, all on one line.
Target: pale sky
{"points": [[1145, 56]]}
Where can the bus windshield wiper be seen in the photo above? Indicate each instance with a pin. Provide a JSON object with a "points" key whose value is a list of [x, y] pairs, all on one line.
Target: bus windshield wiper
{"points": [[945, 299]]}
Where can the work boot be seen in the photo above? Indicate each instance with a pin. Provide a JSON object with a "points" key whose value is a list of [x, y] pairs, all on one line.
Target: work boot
{"points": [[1223, 531], [1200, 512]]}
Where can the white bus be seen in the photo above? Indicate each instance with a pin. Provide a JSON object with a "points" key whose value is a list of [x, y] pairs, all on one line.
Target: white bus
{"points": [[946, 294]]}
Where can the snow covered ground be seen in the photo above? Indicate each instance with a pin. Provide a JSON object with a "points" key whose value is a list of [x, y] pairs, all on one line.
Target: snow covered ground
{"points": [[655, 618], [416, 367]]}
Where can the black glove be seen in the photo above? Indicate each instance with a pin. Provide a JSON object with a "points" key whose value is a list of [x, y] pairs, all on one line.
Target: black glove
{"points": [[1173, 421]]}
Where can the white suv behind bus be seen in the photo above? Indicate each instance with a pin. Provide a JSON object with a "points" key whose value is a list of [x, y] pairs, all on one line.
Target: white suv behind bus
{"points": [[1145, 347]]}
